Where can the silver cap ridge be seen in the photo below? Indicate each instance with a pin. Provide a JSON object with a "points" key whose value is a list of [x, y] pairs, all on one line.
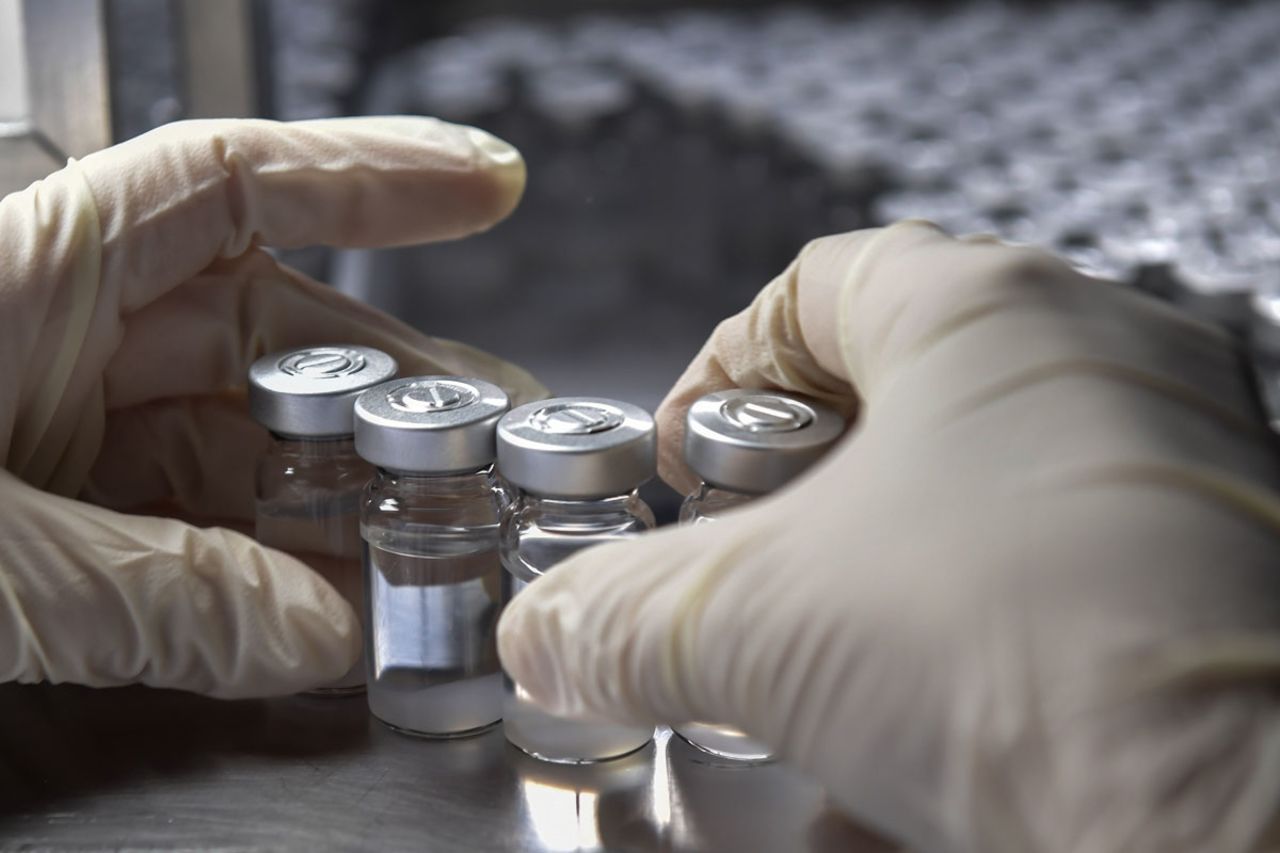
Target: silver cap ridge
{"points": [[577, 448], [309, 392], [756, 441], [429, 424]]}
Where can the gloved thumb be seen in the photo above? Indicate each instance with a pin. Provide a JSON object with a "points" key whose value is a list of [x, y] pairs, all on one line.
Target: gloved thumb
{"points": [[667, 628], [94, 597]]}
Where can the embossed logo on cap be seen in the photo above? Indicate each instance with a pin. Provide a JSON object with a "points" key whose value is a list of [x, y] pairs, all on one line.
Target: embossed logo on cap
{"points": [[432, 395], [322, 363], [576, 418], [767, 413]]}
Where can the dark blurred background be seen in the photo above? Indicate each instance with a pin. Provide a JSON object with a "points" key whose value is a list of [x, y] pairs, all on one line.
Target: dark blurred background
{"points": [[681, 154]]}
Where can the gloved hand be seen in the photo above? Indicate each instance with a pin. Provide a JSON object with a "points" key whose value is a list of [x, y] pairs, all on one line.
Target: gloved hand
{"points": [[1031, 603], [134, 294]]}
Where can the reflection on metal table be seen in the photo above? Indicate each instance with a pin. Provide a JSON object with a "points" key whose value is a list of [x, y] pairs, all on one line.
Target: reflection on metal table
{"points": [[143, 769]]}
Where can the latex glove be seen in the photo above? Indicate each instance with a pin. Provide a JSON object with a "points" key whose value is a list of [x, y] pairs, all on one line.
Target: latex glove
{"points": [[134, 294], [1032, 602]]}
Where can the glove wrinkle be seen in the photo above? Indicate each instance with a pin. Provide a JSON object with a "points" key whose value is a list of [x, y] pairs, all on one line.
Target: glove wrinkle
{"points": [[34, 448], [685, 672], [243, 235]]}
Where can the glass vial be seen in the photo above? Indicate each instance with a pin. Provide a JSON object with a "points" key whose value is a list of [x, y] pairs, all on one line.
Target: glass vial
{"points": [[430, 525], [310, 480], [577, 462], [744, 444]]}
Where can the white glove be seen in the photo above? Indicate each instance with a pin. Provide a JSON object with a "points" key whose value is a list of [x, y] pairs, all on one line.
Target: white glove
{"points": [[133, 296], [1031, 603]]}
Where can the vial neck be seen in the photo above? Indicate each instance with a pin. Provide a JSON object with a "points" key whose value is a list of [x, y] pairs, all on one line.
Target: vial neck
{"points": [[611, 505], [315, 447], [454, 482]]}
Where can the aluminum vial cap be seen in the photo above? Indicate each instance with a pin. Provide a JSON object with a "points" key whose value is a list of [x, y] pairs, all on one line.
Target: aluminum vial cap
{"points": [[309, 392], [577, 448], [429, 424], [756, 441]]}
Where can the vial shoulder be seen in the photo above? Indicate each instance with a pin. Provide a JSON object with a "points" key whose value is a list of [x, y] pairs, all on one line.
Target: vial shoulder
{"points": [[626, 515], [285, 473], [432, 503], [537, 534]]}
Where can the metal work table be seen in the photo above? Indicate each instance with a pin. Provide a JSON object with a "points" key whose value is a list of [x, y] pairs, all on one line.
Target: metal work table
{"points": [[148, 769]]}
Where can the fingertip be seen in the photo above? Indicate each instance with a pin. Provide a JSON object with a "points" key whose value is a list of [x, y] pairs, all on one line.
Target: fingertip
{"points": [[348, 182], [532, 634], [824, 268], [506, 169], [594, 637], [512, 633], [703, 376], [124, 599], [284, 629], [499, 152], [672, 468]]}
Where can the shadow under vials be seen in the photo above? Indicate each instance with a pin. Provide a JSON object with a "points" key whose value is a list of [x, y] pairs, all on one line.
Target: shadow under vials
{"points": [[725, 804], [60, 743], [142, 768]]}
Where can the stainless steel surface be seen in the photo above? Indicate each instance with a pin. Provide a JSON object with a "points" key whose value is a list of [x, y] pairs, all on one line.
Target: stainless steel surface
{"points": [[13, 63], [67, 73], [310, 392], [53, 87], [76, 75], [431, 424], [756, 441], [145, 58], [220, 76], [175, 59], [146, 769], [25, 156], [577, 447], [315, 57]]}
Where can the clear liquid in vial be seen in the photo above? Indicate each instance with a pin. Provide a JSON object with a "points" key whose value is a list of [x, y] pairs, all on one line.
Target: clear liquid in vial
{"points": [[537, 549], [324, 534], [431, 649], [705, 507], [564, 741]]}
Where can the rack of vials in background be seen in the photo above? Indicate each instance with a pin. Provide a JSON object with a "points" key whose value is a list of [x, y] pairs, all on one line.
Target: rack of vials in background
{"points": [[1142, 141]]}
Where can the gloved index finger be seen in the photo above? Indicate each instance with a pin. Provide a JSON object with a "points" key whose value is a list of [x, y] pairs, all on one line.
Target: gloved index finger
{"points": [[173, 200]]}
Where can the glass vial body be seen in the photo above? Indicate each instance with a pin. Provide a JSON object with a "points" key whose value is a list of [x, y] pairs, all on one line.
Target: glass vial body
{"points": [[705, 506], [308, 484], [433, 597], [537, 533], [744, 443], [308, 505]]}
